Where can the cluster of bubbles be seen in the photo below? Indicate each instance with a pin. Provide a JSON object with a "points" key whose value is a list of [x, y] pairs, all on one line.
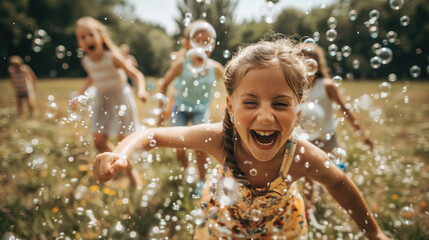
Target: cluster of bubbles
{"points": [[202, 37], [312, 119]]}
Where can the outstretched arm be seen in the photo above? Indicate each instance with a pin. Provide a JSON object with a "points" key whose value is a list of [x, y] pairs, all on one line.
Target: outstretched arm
{"points": [[351, 117], [341, 187], [204, 137], [135, 74]]}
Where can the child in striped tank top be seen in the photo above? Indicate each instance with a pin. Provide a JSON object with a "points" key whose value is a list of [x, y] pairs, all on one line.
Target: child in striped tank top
{"points": [[23, 81], [114, 108]]}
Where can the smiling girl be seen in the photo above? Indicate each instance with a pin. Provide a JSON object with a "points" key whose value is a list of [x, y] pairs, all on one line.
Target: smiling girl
{"points": [[114, 109], [253, 193]]}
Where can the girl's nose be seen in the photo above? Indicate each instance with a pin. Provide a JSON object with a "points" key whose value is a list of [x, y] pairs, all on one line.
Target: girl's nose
{"points": [[266, 114]]}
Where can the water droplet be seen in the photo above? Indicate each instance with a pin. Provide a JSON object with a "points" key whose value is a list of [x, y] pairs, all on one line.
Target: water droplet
{"points": [[253, 172]]}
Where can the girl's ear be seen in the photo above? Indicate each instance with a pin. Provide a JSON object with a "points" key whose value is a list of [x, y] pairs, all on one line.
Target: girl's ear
{"points": [[229, 104]]}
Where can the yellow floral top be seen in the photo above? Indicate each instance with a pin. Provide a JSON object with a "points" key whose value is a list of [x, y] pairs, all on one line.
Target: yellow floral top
{"points": [[228, 211]]}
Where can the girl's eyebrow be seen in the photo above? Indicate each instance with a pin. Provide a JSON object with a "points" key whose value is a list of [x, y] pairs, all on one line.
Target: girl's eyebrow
{"points": [[276, 97]]}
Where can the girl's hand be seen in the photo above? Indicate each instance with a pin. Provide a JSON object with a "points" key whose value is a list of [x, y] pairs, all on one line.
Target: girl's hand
{"points": [[106, 165], [143, 95]]}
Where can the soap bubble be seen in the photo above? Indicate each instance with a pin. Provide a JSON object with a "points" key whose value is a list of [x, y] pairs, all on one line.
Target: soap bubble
{"points": [[203, 35], [353, 15], [226, 54], [385, 55], [391, 36], [196, 60], [375, 62], [332, 22], [222, 19], [346, 51], [60, 51], [385, 89], [404, 20], [77, 107], [332, 49], [374, 14], [311, 66], [312, 119], [392, 77], [309, 44], [51, 108], [40, 38], [407, 215], [396, 4], [316, 36], [331, 35], [338, 80], [415, 71], [356, 64]]}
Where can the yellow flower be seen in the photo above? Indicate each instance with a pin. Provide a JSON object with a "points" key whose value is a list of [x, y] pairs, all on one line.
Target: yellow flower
{"points": [[395, 197], [423, 204], [83, 167], [94, 188], [55, 209]]}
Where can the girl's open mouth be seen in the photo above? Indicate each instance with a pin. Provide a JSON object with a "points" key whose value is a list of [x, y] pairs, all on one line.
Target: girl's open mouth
{"points": [[264, 138], [91, 47]]}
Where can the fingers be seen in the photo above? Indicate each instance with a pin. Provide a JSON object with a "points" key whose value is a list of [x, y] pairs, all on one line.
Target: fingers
{"points": [[106, 165]]}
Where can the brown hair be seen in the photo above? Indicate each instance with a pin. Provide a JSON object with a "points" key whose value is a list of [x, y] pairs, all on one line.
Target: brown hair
{"points": [[15, 59], [264, 54], [92, 23]]}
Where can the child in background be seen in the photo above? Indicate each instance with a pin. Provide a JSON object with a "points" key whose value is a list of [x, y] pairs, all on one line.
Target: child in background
{"points": [[23, 81], [257, 148], [114, 106], [129, 59], [324, 92], [192, 101]]}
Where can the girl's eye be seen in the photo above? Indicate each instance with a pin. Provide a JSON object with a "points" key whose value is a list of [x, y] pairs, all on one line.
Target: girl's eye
{"points": [[250, 103], [281, 104]]}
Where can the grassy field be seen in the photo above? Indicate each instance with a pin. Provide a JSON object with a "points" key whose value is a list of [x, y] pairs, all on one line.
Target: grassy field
{"points": [[47, 190]]}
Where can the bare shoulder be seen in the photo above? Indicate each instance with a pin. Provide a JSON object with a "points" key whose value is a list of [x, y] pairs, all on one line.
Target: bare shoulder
{"points": [[308, 159]]}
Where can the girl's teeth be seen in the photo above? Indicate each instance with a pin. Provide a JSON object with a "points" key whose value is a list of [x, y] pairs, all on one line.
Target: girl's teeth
{"points": [[264, 133], [264, 144]]}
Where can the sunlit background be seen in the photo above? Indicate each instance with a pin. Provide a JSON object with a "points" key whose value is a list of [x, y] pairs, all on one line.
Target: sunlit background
{"points": [[378, 54]]}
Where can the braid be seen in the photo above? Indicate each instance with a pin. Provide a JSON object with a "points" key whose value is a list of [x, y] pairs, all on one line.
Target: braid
{"points": [[230, 161], [228, 147]]}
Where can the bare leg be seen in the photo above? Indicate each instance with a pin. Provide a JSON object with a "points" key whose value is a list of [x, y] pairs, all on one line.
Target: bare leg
{"points": [[201, 162], [20, 110], [30, 103], [132, 173]]}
